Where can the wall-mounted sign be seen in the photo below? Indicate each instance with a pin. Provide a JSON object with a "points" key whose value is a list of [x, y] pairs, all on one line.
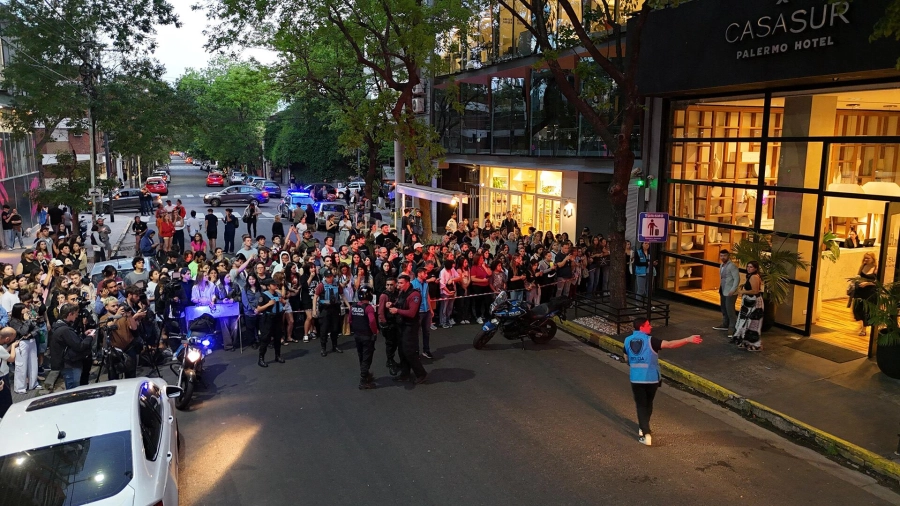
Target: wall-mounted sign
{"points": [[707, 44]]}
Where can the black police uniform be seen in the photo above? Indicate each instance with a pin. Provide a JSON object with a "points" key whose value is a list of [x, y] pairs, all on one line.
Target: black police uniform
{"points": [[390, 329], [409, 335], [330, 315], [365, 339], [271, 327]]}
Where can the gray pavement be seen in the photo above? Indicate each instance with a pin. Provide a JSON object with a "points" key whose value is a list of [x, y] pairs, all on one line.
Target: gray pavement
{"points": [[549, 425]]}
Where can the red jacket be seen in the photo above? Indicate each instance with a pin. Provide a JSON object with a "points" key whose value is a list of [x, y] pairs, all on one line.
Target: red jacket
{"points": [[166, 229]]}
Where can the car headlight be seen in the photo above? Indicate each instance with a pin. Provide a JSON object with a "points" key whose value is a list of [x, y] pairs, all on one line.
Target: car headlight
{"points": [[193, 355]]}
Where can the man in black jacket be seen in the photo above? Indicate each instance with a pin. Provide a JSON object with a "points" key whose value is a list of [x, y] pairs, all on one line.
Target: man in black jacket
{"points": [[67, 348]]}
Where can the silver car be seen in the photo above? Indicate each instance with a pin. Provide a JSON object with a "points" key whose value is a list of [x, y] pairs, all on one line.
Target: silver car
{"points": [[325, 209], [237, 194]]}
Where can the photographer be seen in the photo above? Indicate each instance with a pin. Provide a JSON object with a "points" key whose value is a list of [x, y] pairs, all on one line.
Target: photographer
{"points": [[171, 299], [83, 322], [137, 306], [118, 327], [69, 348]]}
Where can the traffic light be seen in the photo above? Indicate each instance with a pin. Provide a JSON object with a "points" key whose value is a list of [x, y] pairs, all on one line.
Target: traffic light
{"points": [[646, 182]]}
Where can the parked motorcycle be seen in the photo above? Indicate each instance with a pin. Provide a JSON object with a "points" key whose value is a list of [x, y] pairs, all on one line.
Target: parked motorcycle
{"points": [[518, 320], [188, 366]]}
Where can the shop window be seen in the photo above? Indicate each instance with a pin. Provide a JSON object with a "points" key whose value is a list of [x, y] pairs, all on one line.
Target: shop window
{"points": [[523, 180], [499, 178], [550, 183], [523, 40]]}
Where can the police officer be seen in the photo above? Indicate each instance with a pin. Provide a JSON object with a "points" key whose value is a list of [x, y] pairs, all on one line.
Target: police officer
{"points": [[271, 312], [328, 302], [407, 309], [642, 355], [389, 325], [365, 330]]}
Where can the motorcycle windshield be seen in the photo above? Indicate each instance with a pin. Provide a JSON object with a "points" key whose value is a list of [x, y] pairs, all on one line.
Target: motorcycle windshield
{"points": [[499, 301]]}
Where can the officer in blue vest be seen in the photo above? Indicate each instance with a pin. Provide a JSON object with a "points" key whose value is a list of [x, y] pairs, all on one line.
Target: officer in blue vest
{"points": [[365, 329], [327, 302], [271, 312], [642, 356]]}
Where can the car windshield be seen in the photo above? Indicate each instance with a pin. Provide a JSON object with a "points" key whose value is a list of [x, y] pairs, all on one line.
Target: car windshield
{"points": [[76, 472], [300, 199]]}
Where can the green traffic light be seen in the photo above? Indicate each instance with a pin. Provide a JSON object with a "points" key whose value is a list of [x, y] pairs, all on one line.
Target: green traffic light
{"points": [[640, 183]]}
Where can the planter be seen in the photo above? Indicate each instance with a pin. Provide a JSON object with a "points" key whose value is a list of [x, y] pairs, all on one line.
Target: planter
{"points": [[768, 316], [888, 358]]}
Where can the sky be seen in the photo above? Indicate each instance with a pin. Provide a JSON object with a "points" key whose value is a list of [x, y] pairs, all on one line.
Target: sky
{"points": [[181, 48]]}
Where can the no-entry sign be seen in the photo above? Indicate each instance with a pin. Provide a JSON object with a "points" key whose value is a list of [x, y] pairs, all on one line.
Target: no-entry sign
{"points": [[653, 227]]}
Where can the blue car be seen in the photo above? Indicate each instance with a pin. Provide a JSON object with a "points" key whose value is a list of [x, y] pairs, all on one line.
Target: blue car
{"points": [[293, 200]]}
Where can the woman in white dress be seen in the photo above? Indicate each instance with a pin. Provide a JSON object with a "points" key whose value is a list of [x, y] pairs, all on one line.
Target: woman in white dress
{"points": [[344, 227]]}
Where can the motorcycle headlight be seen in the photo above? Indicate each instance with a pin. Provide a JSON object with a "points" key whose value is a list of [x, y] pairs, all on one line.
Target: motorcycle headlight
{"points": [[193, 355]]}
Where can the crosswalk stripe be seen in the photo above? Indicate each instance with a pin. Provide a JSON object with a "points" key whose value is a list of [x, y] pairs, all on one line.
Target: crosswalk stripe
{"points": [[267, 215], [176, 196], [219, 215], [189, 196]]}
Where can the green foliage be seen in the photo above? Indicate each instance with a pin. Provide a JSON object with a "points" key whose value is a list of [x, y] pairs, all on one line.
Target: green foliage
{"points": [[70, 185], [776, 264], [54, 44], [230, 102], [831, 248], [884, 310], [299, 139]]}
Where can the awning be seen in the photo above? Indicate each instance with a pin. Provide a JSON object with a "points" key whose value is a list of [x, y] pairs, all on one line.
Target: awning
{"points": [[432, 194]]}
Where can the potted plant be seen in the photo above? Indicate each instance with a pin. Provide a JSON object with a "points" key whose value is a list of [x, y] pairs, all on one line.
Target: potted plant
{"points": [[883, 311], [831, 248], [776, 267]]}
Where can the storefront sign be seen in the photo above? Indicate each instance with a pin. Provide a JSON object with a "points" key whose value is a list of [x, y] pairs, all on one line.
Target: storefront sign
{"points": [[706, 44], [653, 227]]}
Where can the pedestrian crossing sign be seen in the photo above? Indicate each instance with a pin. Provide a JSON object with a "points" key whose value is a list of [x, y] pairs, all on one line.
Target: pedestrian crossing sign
{"points": [[653, 227]]}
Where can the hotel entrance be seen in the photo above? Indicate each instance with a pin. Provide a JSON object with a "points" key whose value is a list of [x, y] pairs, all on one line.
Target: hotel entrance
{"points": [[818, 170]]}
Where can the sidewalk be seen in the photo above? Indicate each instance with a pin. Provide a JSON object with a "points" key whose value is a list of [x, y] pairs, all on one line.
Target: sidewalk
{"points": [[826, 402]]}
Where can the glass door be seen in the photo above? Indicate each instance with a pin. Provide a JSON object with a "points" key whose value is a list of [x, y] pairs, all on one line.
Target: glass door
{"points": [[548, 215]]}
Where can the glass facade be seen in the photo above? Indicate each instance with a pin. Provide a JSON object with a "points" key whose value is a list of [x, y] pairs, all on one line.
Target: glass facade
{"points": [[798, 165], [533, 196]]}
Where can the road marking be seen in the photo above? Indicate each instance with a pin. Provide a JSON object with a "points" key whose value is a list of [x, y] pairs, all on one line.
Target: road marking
{"points": [[268, 215], [219, 215], [176, 196], [189, 196]]}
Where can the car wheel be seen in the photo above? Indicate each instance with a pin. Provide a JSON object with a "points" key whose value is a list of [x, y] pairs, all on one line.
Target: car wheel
{"points": [[256, 201], [215, 202]]}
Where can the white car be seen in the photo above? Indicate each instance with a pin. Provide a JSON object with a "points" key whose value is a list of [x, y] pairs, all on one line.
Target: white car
{"points": [[236, 178], [112, 443], [343, 190]]}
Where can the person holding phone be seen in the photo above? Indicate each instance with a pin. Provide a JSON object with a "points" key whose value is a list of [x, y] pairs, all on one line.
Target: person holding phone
{"points": [[642, 357]]}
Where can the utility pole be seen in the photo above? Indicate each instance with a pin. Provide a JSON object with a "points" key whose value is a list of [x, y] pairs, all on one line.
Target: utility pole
{"points": [[88, 71]]}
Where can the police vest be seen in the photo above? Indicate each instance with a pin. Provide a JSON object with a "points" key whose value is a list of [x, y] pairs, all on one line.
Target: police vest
{"points": [[642, 360], [330, 294], [403, 303], [390, 318], [359, 321]]}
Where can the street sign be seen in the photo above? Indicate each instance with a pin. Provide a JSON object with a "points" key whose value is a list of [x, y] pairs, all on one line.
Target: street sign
{"points": [[653, 227], [95, 192]]}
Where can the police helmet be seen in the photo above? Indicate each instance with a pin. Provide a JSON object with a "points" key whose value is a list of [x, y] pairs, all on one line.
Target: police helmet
{"points": [[364, 293]]}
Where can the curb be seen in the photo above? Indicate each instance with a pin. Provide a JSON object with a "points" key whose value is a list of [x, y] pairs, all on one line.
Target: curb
{"points": [[115, 249], [831, 444]]}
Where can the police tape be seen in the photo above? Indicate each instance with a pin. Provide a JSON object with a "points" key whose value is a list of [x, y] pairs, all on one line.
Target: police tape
{"points": [[494, 294]]}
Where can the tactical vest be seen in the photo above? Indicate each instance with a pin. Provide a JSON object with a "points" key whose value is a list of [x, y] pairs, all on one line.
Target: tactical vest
{"points": [[403, 303], [359, 321], [389, 318], [642, 360], [331, 294]]}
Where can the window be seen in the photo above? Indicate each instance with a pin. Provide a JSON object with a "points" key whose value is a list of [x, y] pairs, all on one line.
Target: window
{"points": [[75, 472], [150, 412]]}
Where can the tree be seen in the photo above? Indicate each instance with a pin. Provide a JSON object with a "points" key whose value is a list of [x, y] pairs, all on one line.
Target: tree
{"points": [[70, 185], [231, 101], [59, 48], [392, 39], [602, 86], [300, 137]]}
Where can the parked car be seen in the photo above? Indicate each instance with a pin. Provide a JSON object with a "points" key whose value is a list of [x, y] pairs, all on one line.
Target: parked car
{"points": [[238, 194], [316, 188], [163, 174], [110, 443], [324, 209], [269, 186], [157, 185], [252, 179], [126, 199], [123, 267], [292, 200], [343, 190], [215, 179], [237, 177], [196, 163]]}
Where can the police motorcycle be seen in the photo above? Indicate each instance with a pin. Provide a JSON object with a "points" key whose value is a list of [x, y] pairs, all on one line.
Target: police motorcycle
{"points": [[518, 320], [188, 363]]}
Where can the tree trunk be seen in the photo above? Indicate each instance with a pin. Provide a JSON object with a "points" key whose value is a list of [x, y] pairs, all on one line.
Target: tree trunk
{"points": [[618, 195], [425, 207]]}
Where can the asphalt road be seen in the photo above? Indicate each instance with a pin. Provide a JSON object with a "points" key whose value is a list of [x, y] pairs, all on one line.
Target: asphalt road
{"points": [[549, 425]]}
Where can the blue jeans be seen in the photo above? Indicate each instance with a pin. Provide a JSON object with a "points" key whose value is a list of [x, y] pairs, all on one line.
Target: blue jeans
{"points": [[72, 376], [516, 295]]}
